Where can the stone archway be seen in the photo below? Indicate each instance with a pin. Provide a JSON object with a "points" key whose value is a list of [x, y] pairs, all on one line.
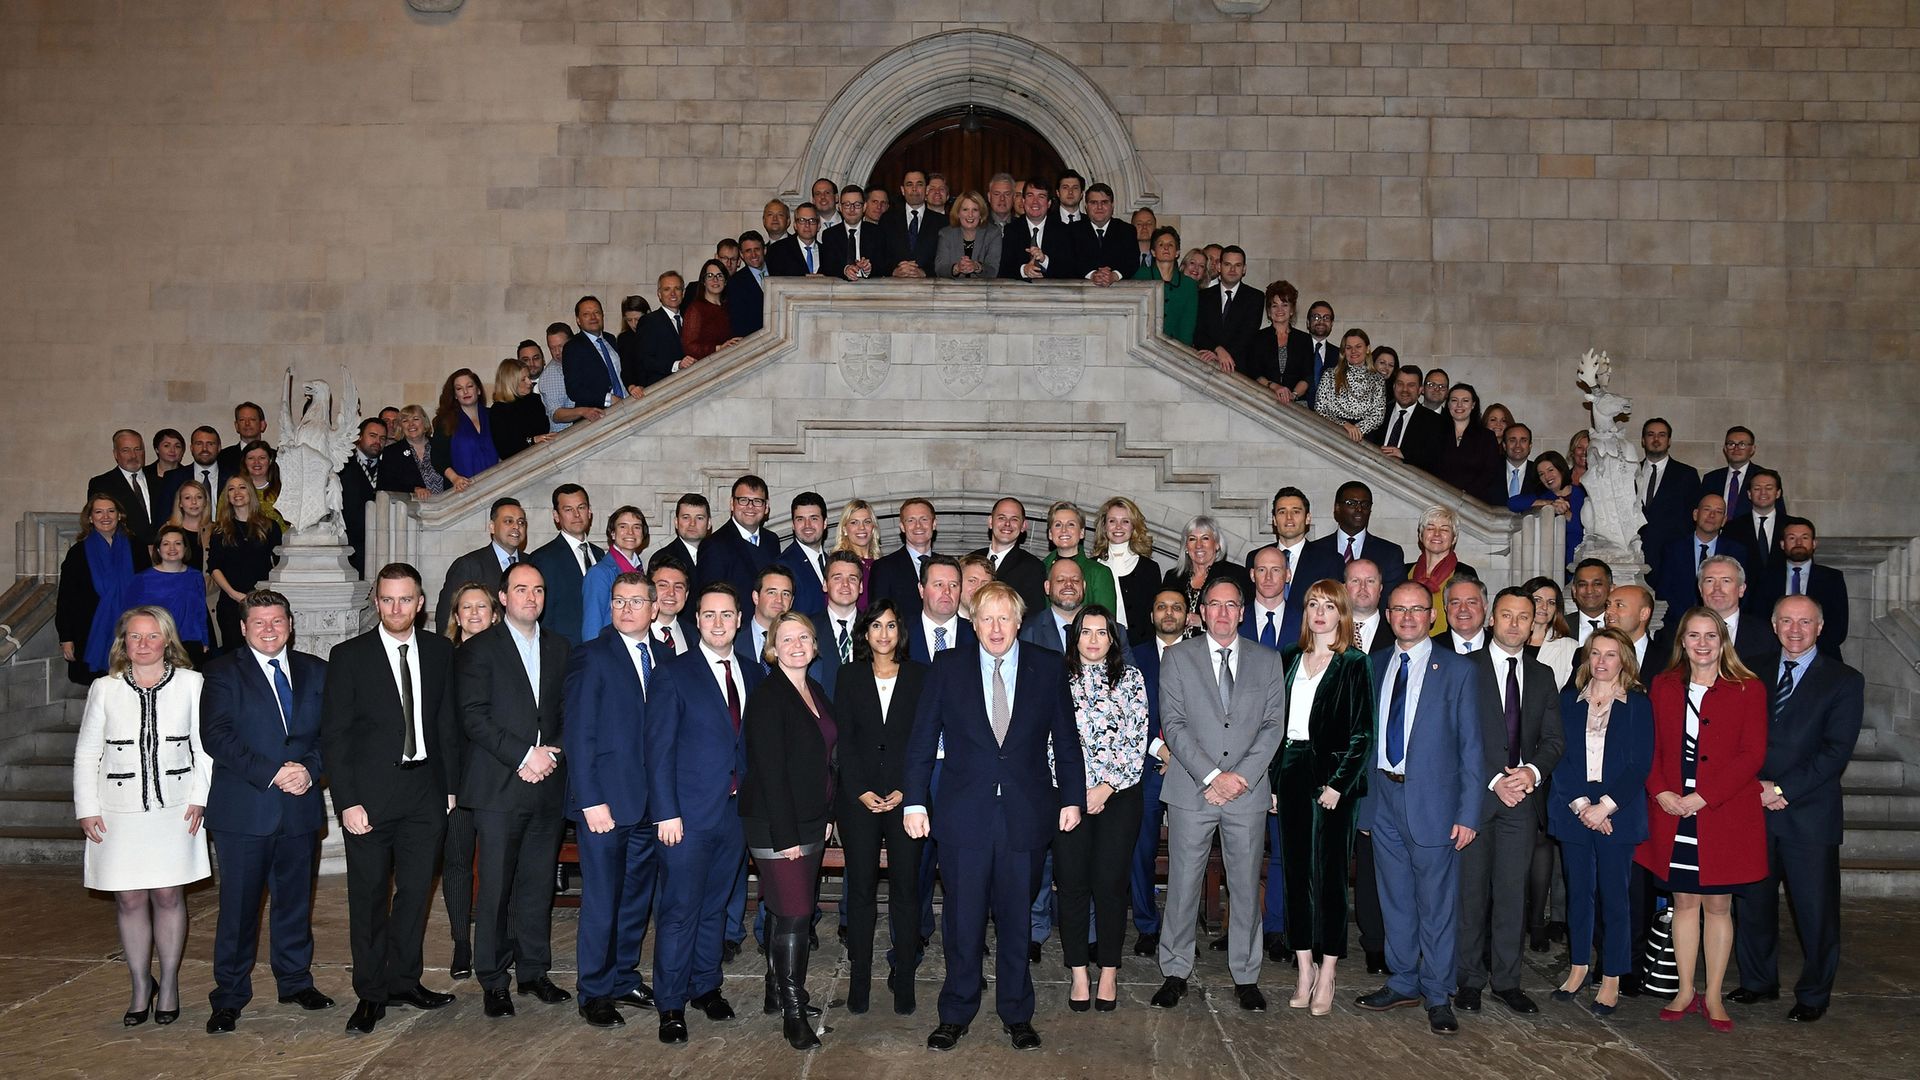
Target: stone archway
{"points": [[984, 68]]}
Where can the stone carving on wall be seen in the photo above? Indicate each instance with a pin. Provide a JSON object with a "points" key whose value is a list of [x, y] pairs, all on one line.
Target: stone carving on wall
{"points": [[435, 7], [865, 360], [312, 446], [1612, 516], [963, 363], [1061, 360]]}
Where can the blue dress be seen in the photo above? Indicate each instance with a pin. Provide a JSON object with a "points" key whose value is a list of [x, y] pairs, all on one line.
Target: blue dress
{"points": [[183, 595]]}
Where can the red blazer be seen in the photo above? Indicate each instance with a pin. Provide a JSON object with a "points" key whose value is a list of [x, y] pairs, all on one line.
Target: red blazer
{"points": [[1733, 745], [706, 328]]}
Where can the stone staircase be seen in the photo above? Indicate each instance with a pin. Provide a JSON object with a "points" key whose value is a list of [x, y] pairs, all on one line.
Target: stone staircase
{"points": [[1881, 854], [39, 721]]}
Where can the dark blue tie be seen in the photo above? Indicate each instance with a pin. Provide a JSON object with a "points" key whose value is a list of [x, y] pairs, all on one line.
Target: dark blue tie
{"points": [[1793, 588], [646, 667], [1397, 716], [1783, 689], [913, 229], [283, 690], [1268, 635], [613, 371]]}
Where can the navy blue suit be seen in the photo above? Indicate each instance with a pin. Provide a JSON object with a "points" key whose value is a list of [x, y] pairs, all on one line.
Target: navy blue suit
{"points": [[1323, 559], [660, 348], [920, 650], [1674, 578], [1411, 821], [266, 838], [996, 814], [585, 370], [894, 577], [809, 595], [744, 560], [1146, 852], [746, 302], [1715, 483], [605, 740], [1669, 512], [1600, 866], [1273, 915], [559, 564], [695, 760]]}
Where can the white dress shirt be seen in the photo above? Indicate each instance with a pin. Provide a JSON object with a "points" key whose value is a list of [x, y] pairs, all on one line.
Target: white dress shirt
{"points": [[720, 673], [928, 626], [635, 646], [286, 667], [1584, 625]]}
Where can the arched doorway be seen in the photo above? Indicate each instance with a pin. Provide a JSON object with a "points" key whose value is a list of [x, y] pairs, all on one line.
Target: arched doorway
{"points": [[967, 153]]}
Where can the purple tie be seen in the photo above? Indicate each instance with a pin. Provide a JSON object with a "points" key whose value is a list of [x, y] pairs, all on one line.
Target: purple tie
{"points": [[1733, 486], [1513, 712]]}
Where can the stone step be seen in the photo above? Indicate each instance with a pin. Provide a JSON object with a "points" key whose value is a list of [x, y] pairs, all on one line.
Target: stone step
{"points": [[1880, 878], [48, 808], [1869, 804], [1898, 840], [54, 740], [1875, 769], [43, 845], [40, 772]]}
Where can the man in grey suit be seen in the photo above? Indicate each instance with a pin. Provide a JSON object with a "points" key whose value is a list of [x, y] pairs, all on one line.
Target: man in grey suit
{"points": [[1223, 704]]}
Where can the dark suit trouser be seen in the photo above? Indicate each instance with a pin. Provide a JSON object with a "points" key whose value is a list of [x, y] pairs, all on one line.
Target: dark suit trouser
{"points": [[1419, 900], [861, 834], [1366, 895], [456, 876], [998, 879], [1643, 892], [1597, 878], [1273, 914], [389, 891], [1146, 851], [618, 871], [929, 863], [1091, 863], [513, 920], [696, 885], [253, 868], [1811, 873], [1493, 897], [1315, 843]]}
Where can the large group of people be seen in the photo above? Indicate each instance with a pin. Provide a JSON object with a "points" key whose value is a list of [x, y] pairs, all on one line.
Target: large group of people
{"points": [[1364, 735]]}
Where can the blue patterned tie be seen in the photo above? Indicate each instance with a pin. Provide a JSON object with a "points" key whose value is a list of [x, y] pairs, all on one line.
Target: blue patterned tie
{"points": [[283, 690], [939, 640], [613, 371], [646, 667], [1397, 716]]}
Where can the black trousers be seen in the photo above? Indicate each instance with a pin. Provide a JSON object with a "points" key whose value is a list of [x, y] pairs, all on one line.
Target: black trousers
{"points": [[513, 920], [1093, 862], [1493, 897], [1315, 844], [456, 876], [389, 891], [1366, 897], [1811, 873], [862, 833]]}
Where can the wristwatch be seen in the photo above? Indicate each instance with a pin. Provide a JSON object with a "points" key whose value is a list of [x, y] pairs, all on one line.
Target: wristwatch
{"points": [[1777, 792]]}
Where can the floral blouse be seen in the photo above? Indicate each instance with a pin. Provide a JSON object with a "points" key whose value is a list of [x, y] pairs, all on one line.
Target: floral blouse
{"points": [[1113, 725]]}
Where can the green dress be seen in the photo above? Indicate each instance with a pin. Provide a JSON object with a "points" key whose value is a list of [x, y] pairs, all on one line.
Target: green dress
{"points": [[1182, 300]]}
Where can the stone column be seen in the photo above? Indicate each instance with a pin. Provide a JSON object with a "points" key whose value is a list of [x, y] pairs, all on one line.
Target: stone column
{"points": [[327, 597]]}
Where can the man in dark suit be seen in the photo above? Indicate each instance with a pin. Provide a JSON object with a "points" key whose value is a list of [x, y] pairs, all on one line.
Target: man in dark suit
{"points": [[359, 480], [695, 762], [1292, 517], [564, 560], [1106, 247], [1372, 634], [1517, 478], [1668, 489], [608, 683], [260, 722], [1730, 480], [1051, 626], [1327, 557], [1817, 705], [1425, 803], [749, 547], [1036, 245], [249, 422], [1722, 588], [997, 708], [939, 626], [1799, 575], [896, 575], [1010, 562], [386, 726], [203, 465], [509, 685], [1230, 313], [1169, 628], [661, 351], [590, 362], [799, 255], [746, 292], [1521, 741], [1365, 590], [1323, 349], [858, 251], [1410, 433], [690, 545], [806, 556], [1675, 575], [912, 228], [1758, 530], [132, 484], [506, 534], [674, 627]]}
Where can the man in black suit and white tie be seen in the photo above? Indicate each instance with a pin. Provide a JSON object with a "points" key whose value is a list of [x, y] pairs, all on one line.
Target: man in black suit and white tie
{"points": [[1668, 488], [1816, 707], [386, 726], [1229, 314], [1800, 575], [132, 484], [509, 683]]}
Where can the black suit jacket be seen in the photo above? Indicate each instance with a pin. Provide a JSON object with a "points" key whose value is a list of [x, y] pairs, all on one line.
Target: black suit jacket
{"points": [[1055, 239], [585, 370], [142, 513], [872, 747], [361, 731], [1810, 739], [1669, 513], [356, 491], [789, 780], [893, 576], [1118, 251], [894, 224], [1826, 585], [1234, 330], [875, 247], [1542, 738], [716, 563], [1024, 571], [232, 459], [480, 565], [501, 719], [661, 347], [744, 561], [1424, 443], [746, 302], [784, 258], [1758, 563], [1265, 361]]}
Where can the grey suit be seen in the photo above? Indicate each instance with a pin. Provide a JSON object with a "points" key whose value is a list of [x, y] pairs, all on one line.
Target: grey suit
{"points": [[986, 252], [1203, 740]]}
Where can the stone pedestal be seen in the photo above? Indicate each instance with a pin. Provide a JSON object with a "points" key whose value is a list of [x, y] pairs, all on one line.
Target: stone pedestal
{"points": [[327, 597]]}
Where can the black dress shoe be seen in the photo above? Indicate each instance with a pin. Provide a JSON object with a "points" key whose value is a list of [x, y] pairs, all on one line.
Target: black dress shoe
{"points": [[1146, 944], [1517, 1000], [1441, 1022], [462, 965], [498, 1003], [221, 1021], [1276, 946], [1744, 996], [1467, 999], [1033, 952], [638, 999], [1170, 993], [309, 999], [544, 989], [1023, 1035], [1806, 1014], [1218, 944], [713, 1004], [729, 952], [673, 1027], [1250, 997], [946, 1036], [1377, 963], [365, 1015], [421, 998], [1537, 940], [600, 1013], [1385, 998]]}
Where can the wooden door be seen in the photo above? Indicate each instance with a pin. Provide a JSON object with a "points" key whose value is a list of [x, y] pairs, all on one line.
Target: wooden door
{"points": [[939, 144]]}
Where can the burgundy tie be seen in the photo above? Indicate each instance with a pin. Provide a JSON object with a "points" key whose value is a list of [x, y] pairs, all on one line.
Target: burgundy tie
{"points": [[666, 638]]}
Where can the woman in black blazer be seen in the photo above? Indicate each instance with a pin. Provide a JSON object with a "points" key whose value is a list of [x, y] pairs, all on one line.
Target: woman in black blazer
{"points": [[1204, 563], [401, 462], [1318, 778], [1125, 548], [1281, 359], [875, 701], [786, 802]]}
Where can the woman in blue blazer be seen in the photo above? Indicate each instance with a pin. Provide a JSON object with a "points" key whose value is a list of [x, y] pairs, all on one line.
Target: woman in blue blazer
{"points": [[1598, 807]]}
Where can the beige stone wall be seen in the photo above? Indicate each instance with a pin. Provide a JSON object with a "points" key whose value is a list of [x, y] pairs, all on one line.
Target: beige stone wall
{"points": [[198, 194]]}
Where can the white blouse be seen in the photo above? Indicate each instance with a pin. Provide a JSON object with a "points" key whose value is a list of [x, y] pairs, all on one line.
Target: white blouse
{"points": [[885, 686], [1300, 703]]}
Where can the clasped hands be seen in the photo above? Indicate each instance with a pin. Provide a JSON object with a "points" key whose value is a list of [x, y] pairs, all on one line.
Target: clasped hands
{"points": [[1516, 785], [1681, 805], [1597, 817], [880, 805], [540, 763], [1769, 800], [293, 778], [1225, 788]]}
